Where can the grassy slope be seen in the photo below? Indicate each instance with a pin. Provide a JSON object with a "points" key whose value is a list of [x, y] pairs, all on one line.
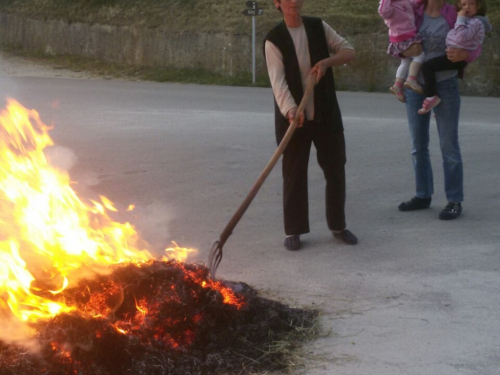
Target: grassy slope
{"points": [[348, 17], [183, 15]]}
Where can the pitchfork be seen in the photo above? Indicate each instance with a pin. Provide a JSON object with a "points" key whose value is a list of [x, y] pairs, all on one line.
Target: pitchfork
{"points": [[215, 256]]}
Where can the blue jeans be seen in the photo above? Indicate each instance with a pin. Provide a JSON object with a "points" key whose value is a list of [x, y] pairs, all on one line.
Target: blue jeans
{"points": [[447, 115]]}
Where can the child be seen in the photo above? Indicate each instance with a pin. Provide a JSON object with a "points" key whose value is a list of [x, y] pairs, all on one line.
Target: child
{"points": [[468, 34], [399, 17]]}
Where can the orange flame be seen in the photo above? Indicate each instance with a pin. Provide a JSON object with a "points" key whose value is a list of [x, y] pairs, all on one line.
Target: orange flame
{"points": [[47, 234]]}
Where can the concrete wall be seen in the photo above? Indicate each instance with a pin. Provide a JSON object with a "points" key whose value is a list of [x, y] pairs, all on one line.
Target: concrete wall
{"points": [[373, 69]]}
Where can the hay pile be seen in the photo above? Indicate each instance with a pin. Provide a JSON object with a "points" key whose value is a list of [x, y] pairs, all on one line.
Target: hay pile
{"points": [[187, 328]]}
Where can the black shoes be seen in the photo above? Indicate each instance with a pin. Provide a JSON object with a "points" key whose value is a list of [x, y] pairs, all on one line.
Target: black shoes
{"points": [[415, 203], [451, 211], [292, 243], [346, 236]]}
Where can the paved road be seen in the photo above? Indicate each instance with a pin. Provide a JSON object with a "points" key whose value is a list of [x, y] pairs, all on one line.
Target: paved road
{"points": [[417, 296]]}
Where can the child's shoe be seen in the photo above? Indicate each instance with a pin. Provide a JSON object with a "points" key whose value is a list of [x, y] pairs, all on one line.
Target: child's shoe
{"points": [[428, 104], [413, 85], [398, 92]]}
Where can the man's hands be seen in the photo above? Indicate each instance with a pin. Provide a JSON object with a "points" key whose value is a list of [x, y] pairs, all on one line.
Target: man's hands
{"points": [[320, 69], [291, 116]]}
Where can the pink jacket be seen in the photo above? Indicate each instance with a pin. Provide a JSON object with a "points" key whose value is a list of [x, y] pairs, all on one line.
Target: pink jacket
{"points": [[450, 15], [467, 34], [399, 18]]}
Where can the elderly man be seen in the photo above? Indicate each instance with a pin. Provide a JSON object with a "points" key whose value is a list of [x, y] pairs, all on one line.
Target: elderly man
{"points": [[294, 49]]}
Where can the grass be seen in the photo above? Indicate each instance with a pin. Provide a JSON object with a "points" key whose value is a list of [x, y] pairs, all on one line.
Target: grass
{"points": [[348, 18], [186, 15], [155, 74], [185, 327]]}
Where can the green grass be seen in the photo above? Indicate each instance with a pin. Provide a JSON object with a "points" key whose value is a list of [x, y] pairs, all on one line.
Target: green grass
{"points": [[347, 16], [185, 15]]}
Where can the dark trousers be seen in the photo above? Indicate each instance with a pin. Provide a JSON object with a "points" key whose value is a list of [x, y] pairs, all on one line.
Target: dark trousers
{"points": [[331, 157], [437, 64]]}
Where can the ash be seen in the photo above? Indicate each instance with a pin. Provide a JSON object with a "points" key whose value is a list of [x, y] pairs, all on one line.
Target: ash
{"points": [[163, 318]]}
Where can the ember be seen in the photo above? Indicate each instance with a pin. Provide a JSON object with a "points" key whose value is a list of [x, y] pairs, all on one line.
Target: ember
{"points": [[81, 294], [161, 318]]}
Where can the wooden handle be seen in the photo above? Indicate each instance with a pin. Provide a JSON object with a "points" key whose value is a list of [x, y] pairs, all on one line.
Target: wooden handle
{"points": [[260, 180]]}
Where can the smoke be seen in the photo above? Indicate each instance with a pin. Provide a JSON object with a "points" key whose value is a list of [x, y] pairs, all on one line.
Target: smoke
{"points": [[16, 332], [152, 222], [60, 157], [8, 88]]}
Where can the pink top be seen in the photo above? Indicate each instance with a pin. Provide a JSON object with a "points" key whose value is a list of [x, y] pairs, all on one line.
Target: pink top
{"points": [[467, 34], [399, 17]]}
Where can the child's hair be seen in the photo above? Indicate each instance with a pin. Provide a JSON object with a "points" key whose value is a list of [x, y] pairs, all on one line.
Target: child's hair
{"points": [[481, 7]]}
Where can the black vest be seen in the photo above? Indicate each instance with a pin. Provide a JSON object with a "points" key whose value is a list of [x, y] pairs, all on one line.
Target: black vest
{"points": [[326, 108]]}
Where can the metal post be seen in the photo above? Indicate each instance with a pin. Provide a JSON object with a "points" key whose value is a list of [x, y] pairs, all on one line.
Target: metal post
{"points": [[253, 48], [252, 10]]}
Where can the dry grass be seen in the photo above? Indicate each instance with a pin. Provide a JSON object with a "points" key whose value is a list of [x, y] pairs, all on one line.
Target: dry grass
{"points": [[185, 15], [184, 327], [348, 17]]}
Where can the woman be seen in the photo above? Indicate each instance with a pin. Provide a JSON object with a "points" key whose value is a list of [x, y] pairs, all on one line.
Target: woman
{"points": [[434, 18], [291, 49]]}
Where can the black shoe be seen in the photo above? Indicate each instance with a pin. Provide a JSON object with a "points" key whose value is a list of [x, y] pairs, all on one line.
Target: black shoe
{"points": [[415, 203], [346, 236], [451, 211], [292, 243]]}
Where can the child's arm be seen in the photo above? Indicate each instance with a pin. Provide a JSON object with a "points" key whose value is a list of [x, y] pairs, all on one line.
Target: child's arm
{"points": [[385, 9], [467, 35]]}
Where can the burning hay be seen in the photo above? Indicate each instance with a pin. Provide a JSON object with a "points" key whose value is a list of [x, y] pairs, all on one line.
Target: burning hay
{"points": [[81, 294], [162, 318]]}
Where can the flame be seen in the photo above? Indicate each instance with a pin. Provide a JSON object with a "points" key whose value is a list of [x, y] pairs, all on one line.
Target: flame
{"points": [[48, 236]]}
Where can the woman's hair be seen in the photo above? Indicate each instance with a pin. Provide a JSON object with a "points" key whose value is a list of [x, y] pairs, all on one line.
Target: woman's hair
{"points": [[481, 7]]}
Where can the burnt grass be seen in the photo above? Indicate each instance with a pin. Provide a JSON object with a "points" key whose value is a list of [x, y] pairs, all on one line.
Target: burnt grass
{"points": [[188, 328]]}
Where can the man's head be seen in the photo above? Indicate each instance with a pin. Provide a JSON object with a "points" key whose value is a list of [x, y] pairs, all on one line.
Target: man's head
{"points": [[289, 6]]}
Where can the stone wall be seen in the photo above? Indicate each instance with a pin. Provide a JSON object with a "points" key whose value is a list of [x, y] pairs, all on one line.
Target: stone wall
{"points": [[373, 69]]}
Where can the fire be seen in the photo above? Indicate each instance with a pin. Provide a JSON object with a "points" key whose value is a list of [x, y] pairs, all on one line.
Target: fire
{"points": [[48, 236], [82, 294]]}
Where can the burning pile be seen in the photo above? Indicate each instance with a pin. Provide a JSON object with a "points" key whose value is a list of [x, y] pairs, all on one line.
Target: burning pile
{"points": [[161, 318], [77, 289]]}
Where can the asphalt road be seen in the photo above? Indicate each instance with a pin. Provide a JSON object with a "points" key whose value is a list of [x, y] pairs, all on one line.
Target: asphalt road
{"points": [[416, 296]]}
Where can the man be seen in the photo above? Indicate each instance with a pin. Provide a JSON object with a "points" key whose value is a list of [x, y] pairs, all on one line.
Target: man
{"points": [[291, 48]]}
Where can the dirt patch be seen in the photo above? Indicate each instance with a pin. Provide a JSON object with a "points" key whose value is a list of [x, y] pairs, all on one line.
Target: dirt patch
{"points": [[17, 66]]}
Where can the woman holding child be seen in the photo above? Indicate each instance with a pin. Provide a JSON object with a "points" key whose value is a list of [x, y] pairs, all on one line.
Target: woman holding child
{"points": [[434, 19]]}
